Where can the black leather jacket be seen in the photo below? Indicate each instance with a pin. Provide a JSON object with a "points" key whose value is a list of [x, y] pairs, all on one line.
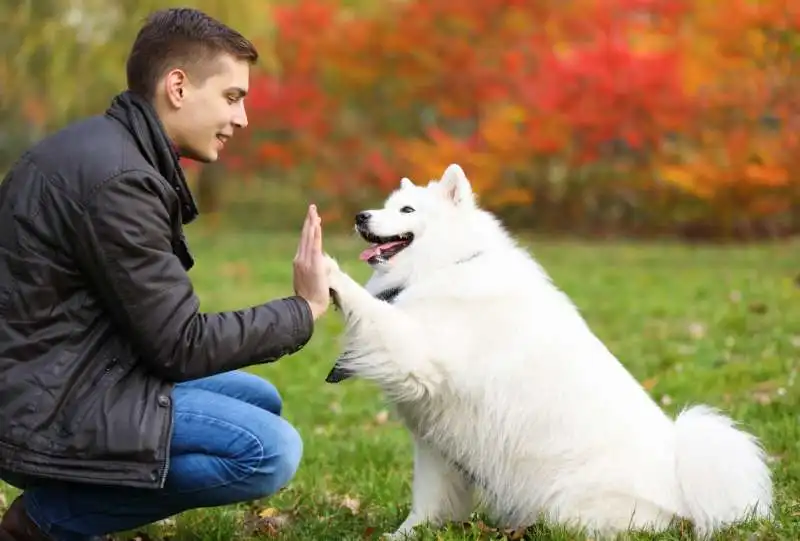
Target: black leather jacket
{"points": [[98, 317]]}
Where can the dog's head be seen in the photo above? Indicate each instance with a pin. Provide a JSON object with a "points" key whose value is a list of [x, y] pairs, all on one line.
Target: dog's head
{"points": [[418, 221]]}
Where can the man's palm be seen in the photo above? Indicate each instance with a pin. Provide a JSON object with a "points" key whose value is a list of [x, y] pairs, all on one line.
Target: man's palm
{"points": [[310, 268]]}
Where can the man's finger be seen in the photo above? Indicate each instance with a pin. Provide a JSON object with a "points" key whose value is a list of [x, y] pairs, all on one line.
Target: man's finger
{"points": [[318, 238], [308, 246], [304, 237]]}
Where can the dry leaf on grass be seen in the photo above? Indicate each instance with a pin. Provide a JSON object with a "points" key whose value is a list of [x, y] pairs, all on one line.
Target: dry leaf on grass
{"points": [[382, 417], [766, 391], [268, 521], [696, 330], [762, 398], [268, 512], [352, 504], [649, 383]]}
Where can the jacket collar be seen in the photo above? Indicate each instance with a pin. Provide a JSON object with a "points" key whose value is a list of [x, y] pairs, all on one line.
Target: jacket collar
{"points": [[140, 119]]}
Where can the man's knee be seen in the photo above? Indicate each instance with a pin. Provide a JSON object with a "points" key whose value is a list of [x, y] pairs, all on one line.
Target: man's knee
{"points": [[287, 457], [243, 386], [279, 462], [270, 398], [257, 391]]}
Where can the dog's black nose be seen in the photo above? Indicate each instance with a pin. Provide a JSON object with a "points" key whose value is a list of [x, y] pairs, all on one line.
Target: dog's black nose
{"points": [[362, 218]]}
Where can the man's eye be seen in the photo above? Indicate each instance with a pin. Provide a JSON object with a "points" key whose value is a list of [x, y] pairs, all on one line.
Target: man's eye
{"points": [[407, 209]]}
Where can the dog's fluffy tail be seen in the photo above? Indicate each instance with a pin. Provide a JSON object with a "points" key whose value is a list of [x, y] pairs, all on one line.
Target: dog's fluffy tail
{"points": [[722, 471]]}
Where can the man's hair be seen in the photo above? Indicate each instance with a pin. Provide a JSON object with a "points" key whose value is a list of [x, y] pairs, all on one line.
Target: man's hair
{"points": [[181, 38]]}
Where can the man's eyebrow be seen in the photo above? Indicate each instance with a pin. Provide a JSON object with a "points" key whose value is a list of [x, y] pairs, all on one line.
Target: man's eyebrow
{"points": [[241, 92]]}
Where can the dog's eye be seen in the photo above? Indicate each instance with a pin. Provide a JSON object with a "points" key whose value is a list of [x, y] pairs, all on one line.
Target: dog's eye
{"points": [[407, 209]]}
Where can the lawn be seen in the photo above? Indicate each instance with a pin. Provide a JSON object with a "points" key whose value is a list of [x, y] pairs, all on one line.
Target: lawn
{"points": [[719, 325]]}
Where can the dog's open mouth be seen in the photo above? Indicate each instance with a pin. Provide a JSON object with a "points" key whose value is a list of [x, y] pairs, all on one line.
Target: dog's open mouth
{"points": [[382, 249]]}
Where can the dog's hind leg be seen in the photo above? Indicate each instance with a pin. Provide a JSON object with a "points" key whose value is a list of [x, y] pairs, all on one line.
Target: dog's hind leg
{"points": [[379, 342], [440, 493]]}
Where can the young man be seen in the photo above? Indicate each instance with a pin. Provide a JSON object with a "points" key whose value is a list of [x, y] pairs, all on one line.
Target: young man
{"points": [[120, 402]]}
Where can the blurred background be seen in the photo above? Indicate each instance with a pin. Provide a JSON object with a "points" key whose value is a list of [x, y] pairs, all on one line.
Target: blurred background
{"points": [[590, 119], [644, 118]]}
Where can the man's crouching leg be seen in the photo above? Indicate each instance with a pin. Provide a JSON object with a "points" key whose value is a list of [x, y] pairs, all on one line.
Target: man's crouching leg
{"points": [[224, 451]]}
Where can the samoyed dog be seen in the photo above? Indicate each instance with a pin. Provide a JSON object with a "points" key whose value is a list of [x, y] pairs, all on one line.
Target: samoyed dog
{"points": [[513, 403]]}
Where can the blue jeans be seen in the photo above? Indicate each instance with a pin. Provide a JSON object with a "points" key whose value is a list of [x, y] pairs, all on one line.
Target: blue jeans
{"points": [[229, 445]]}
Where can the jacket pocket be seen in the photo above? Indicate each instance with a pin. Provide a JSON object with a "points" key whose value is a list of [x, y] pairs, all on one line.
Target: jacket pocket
{"points": [[88, 395]]}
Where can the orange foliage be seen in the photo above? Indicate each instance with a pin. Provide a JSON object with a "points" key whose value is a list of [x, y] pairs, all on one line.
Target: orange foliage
{"points": [[657, 90]]}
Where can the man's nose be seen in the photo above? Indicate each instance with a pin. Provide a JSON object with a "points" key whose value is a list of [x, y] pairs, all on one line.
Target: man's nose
{"points": [[240, 118]]}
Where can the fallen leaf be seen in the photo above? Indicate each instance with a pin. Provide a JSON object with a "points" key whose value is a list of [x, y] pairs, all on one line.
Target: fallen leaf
{"points": [[767, 385], [269, 512], [351, 503], [762, 398], [382, 417], [268, 521], [650, 383], [335, 407], [735, 296], [696, 330], [666, 400], [795, 341], [757, 308]]}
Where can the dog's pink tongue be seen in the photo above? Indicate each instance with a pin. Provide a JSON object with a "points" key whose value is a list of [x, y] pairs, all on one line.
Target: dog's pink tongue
{"points": [[376, 249]]}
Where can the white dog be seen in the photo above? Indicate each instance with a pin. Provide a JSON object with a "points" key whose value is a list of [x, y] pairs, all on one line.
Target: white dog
{"points": [[512, 401]]}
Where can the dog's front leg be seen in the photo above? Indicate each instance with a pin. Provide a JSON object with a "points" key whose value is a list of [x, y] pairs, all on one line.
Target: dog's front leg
{"points": [[440, 493], [386, 345]]}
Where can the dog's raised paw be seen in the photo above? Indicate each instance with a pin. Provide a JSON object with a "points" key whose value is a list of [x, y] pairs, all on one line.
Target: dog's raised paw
{"points": [[331, 265]]}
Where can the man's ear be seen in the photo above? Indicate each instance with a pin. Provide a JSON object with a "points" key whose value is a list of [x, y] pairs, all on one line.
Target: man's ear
{"points": [[175, 83], [455, 185]]}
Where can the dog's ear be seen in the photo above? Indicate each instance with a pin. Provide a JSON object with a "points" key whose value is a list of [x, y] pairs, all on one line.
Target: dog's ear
{"points": [[405, 182], [456, 186]]}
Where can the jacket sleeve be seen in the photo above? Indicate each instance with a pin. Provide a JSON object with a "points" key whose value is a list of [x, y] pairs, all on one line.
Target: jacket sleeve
{"points": [[125, 247]]}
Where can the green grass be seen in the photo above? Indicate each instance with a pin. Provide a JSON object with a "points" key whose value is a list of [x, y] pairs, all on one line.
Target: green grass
{"points": [[719, 325]]}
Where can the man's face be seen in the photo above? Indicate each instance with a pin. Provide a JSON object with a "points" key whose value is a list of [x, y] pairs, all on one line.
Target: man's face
{"points": [[205, 113]]}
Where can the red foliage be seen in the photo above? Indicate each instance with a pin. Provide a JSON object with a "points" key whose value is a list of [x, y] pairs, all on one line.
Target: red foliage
{"points": [[657, 88]]}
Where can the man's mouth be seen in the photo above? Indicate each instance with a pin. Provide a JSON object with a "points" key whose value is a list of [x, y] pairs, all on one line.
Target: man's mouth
{"points": [[222, 138], [382, 249]]}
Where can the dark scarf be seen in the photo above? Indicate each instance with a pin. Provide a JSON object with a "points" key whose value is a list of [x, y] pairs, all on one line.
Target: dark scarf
{"points": [[140, 118]]}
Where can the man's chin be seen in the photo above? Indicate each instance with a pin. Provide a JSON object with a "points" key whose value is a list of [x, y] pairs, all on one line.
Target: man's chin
{"points": [[202, 157]]}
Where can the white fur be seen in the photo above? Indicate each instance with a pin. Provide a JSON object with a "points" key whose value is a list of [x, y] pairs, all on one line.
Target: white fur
{"points": [[490, 363]]}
